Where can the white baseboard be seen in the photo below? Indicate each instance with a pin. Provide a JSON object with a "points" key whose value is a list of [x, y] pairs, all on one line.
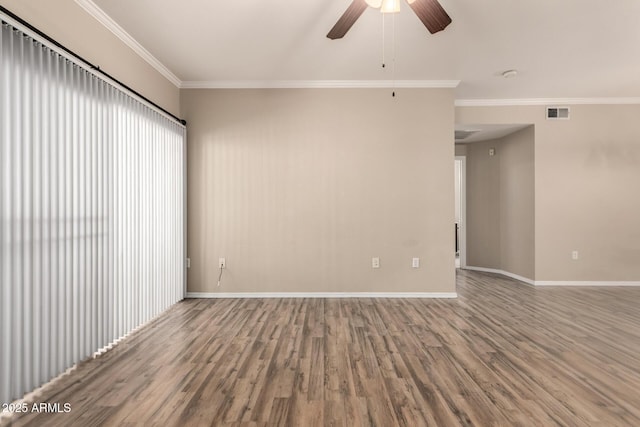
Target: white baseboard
{"points": [[553, 282], [322, 295], [583, 283], [502, 272]]}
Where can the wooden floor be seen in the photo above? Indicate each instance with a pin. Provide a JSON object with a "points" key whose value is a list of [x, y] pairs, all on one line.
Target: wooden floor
{"points": [[503, 354]]}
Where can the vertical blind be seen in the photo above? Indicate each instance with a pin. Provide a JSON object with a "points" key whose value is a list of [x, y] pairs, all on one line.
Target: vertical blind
{"points": [[92, 212]]}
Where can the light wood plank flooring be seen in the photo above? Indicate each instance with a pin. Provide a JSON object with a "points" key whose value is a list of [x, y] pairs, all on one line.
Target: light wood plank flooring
{"points": [[502, 354]]}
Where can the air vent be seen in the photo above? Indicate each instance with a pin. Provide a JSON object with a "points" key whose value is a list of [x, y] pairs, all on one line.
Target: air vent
{"points": [[462, 134], [557, 113]]}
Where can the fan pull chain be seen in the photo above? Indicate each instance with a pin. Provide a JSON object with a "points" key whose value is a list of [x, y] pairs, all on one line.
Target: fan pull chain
{"points": [[393, 56], [383, 64]]}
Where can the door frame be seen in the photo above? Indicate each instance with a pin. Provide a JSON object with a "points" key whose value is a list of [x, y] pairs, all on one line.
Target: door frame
{"points": [[462, 230]]}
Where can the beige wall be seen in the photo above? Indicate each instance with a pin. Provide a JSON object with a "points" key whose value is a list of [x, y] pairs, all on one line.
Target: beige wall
{"points": [[483, 206], [586, 175], [461, 150], [500, 204], [517, 203], [70, 25], [585, 171], [299, 189]]}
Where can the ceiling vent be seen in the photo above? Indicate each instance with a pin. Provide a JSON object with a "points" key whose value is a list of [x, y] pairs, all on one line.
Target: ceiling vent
{"points": [[462, 134], [557, 113]]}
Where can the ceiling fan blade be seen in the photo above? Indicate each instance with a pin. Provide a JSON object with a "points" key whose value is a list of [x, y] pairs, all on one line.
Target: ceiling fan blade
{"points": [[432, 15], [348, 18]]}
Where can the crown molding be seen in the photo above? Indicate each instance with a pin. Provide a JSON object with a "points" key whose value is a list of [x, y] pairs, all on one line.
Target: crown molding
{"points": [[545, 101], [318, 84], [92, 9]]}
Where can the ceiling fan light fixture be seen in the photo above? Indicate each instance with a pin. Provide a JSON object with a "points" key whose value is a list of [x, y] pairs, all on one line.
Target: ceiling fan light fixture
{"points": [[390, 6], [430, 12]]}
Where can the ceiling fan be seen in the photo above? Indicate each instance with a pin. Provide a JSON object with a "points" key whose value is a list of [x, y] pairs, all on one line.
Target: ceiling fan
{"points": [[432, 15]]}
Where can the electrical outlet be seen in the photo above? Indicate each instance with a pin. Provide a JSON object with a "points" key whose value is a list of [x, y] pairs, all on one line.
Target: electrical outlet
{"points": [[375, 262], [574, 255], [222, 263], [415, 263]]}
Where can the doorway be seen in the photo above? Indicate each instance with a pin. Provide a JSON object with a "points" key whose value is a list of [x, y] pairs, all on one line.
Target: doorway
{"points": [[460, 234]]}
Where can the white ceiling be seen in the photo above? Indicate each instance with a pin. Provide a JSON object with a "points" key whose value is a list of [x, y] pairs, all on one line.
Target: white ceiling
{"points": [[562, 48]]}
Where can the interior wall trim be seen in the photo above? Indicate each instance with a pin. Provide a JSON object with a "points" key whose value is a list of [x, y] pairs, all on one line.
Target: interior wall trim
{"points": [[319, 84], [545, 101], [322, 295], [94, 10], [585, 283], [502, 272], [576, 283]]}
